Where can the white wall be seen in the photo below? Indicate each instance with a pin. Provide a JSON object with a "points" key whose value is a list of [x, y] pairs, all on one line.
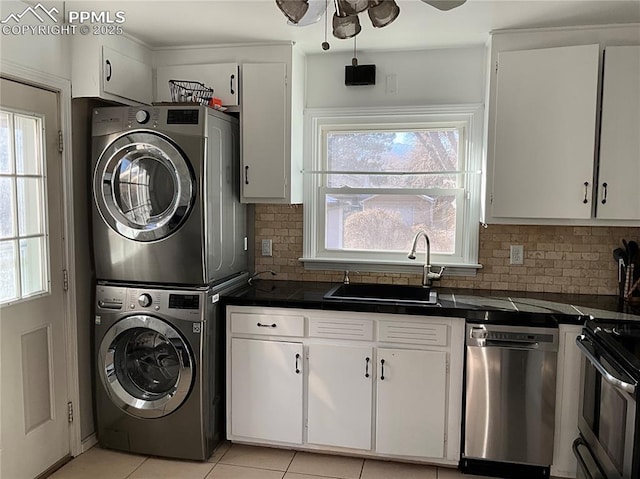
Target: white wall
{"points": [[424, 77], [44, 53]]}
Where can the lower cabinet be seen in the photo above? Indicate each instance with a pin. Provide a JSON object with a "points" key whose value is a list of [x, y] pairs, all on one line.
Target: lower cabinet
{"points": [[384, 385], [340, 396], [411, 394], [266, 390]]}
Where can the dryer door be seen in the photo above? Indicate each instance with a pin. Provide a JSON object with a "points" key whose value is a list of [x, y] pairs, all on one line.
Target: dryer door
{"points": [[146, 366], [143, 186]]}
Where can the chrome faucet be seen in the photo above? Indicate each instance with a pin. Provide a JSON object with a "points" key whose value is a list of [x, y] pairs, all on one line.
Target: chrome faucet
{"points": [[427, 275]]}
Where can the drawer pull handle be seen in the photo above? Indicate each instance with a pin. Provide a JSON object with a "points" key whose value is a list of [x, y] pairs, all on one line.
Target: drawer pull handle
{"points": [[260, 325], [297, 367], [604, 193], [382, 367], [366, 368]]}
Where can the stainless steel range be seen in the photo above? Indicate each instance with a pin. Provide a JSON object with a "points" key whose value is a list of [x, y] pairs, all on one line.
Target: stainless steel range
{"points": [[609, 421]]}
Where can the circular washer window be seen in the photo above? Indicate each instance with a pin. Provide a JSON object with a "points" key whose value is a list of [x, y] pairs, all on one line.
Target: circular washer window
{"points": [[145, 366], [143, 186]]}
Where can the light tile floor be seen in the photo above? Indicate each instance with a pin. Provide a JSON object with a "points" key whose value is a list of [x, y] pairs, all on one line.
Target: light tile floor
{"points": [[246, 462]]}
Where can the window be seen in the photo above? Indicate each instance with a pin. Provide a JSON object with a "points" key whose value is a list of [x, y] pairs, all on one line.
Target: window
{"points": [[23, 238], [374, 178]]}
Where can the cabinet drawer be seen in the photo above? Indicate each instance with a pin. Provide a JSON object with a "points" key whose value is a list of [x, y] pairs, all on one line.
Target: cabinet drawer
{"points": [[414, 333], [267, 324], [341, 328]]}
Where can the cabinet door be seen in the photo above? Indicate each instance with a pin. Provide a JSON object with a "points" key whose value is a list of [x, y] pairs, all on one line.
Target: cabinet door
{"points": [[125, 77], [266, 390], [411, 411], [339, 407], [619, 135], [544, 133], [264, 131], [222, 77]]}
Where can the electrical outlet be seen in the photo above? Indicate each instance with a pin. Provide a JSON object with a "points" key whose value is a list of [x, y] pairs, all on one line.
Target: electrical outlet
{"points": [[516, 255], [267, 247]]}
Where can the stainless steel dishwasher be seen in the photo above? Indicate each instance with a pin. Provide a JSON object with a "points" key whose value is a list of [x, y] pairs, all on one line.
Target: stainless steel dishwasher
{"points": [[510, 397]]}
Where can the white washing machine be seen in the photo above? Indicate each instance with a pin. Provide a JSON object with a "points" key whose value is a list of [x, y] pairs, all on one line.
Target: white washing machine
{"points": [[166, 206], [160, 369]]}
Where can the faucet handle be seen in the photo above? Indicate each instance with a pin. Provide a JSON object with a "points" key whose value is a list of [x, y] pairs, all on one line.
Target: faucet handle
{"points": [[433, 275]]}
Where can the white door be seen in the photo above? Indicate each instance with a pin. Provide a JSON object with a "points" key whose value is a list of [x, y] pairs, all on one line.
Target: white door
{"points": [[266, 390], [339, 404], [35, 431], [411, 412]]}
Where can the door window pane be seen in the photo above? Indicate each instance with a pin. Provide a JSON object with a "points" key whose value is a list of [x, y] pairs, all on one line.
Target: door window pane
{"points": [[6, 163], [8, 271], [31, 268], [28, 147], [7, 208], [30, 214], [24, 256]]}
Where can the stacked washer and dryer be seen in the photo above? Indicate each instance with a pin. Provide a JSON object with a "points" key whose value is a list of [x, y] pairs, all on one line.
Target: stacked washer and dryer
{"points": [[169, 237]]}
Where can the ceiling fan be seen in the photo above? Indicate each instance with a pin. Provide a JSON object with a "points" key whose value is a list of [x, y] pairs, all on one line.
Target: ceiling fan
{"points": [[346, 23]]}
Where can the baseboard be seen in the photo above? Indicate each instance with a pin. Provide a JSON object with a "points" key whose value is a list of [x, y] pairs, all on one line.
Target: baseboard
{"points": [[89, 442]]}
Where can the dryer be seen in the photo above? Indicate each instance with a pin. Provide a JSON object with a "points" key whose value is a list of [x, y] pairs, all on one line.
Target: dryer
{"points": [[159, 386], [166, 203]]}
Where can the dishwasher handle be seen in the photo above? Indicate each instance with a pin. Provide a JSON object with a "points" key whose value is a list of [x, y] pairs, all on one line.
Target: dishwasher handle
{"points": [[606, 374], [501, 343]]}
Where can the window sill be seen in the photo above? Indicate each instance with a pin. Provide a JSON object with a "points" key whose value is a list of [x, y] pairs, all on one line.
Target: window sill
{"points": [[454, 269]]}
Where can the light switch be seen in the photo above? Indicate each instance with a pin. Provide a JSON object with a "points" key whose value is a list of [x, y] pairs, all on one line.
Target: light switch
{"points": [[267, 247]]}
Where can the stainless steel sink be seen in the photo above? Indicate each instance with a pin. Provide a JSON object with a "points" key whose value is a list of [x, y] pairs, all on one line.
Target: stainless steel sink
{"points": [[385, 293]]}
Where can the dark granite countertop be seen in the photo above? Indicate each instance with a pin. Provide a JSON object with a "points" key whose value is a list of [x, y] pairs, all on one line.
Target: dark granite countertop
{"points": [[505, 307]]}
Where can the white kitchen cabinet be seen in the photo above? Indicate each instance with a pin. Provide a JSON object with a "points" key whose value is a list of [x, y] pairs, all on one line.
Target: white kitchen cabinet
{"points": [[411, 402], [544, 133], [619, 168], [119, 70], [266, 390], [414, 412], [567, 401], [271, 133], [222, 77], [340, 395]]}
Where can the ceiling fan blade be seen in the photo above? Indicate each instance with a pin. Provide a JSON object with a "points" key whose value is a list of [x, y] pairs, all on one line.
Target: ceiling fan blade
{"points": [[444, 4]]}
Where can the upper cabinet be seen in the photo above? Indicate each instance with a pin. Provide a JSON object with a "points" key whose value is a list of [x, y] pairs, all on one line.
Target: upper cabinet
{"points": [[619, 173], [222, 77], [271, 133], [114, 69], [545, 132], [564, 116]]}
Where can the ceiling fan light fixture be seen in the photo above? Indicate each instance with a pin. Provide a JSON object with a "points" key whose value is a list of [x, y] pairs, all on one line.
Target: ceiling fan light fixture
{"points": [[353, 7], [383, 12], [317, 8], [444, 5], [346, 26], [294, 10]]}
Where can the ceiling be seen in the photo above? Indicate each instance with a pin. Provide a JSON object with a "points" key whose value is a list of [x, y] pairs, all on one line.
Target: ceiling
{"points": [[419, 26]]}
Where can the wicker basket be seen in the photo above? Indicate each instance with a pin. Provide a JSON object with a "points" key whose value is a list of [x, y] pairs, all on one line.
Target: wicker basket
{"points": [[190, 91]]}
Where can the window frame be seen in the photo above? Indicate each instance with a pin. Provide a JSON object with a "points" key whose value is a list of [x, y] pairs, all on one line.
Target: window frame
{"points": [[43, 236], [317, 122]]}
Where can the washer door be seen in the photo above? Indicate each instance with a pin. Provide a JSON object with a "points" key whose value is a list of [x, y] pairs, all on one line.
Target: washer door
{"points": [[145, 366], [143, 186]]}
